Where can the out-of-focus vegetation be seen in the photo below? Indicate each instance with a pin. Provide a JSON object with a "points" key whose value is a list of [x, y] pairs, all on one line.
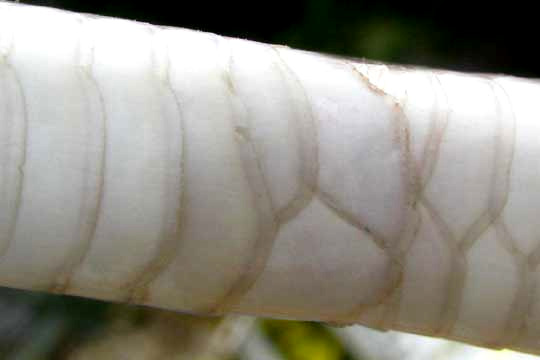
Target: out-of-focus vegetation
{"points": [[40, 326], [304, 340], [497, 38]]}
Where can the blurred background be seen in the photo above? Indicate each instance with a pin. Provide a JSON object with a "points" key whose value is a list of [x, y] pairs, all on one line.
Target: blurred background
{"points": [[495, 38]]}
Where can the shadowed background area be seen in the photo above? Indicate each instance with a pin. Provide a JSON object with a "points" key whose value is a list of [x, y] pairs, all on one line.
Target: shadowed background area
{"points": [[493, 38], [444, 35]]}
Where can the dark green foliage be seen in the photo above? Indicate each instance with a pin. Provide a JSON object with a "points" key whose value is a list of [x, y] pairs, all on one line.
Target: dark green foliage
{"points": [[490, 38], [35, 325]]}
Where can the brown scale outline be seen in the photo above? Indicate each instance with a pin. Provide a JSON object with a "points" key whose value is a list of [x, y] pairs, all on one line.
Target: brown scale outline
{"points": [[61, 281], [9, 235]]}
